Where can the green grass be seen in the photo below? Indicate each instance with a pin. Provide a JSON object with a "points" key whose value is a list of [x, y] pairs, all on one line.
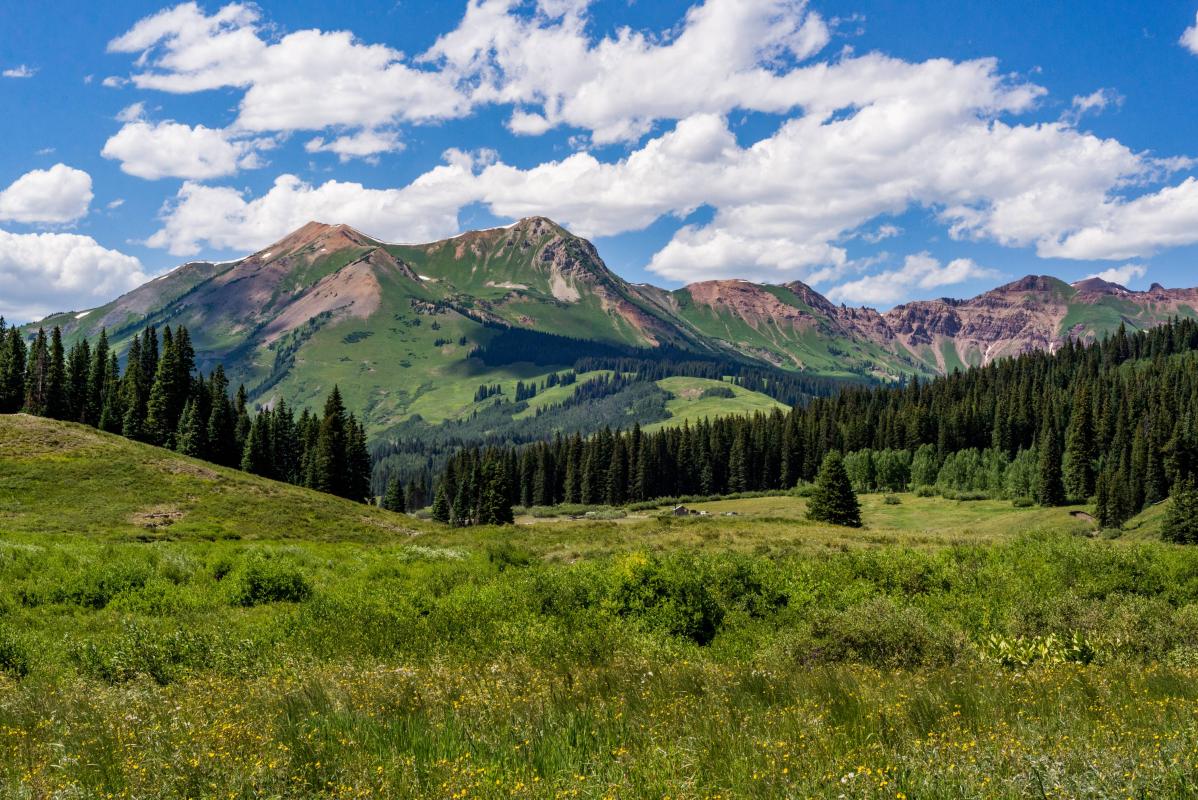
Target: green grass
{"points": [[272, 642], [688, 405]]}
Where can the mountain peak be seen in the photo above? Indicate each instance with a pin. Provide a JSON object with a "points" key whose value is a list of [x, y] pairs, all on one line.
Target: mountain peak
{"points": [[1032, 283], [1099, 286], [316, 236]]}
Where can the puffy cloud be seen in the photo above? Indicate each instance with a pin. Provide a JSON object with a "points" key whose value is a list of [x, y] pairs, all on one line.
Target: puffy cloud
{"points": [[1189, 39], [727, 54], [1122, 229], [308, 80], [919, 271], [45, 272], [363, 144], [222, 217], [170, 149], [1122, 275], [19, 71], [57, 195]]}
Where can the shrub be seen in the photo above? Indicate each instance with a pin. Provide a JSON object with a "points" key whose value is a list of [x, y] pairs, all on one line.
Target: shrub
{"points": [[14, 657], [892, 500], [1023, 502], [505, 554], [670, 595], [271, 580], [97, 584], [724, 392], [924, 490], [141, 650], [882, 633]]}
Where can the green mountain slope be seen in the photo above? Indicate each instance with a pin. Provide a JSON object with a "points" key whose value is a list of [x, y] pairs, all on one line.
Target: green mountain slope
{"points": [[397, 326]]}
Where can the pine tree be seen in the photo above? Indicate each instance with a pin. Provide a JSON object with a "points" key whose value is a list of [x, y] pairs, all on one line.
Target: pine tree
{"points": [[494, 508], [441, 510], [1181, 519], [112, 410], [191, 439], [222, 422], [1080, 450], [57, 405], [1050, 489], [97, 382], [255, 456], [833, 500], [738, 463], [393, 498], [357, 461], [78, 375], [331, 464], [12, 379], [37, 370]]}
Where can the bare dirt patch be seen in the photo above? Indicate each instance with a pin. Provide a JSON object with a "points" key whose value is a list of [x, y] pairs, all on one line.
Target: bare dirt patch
{"points": [[187, 468], [157, 517]]}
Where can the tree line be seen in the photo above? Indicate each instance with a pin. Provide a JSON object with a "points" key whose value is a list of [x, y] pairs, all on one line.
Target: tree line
{"points": [[1113, 422], [159, 397]]}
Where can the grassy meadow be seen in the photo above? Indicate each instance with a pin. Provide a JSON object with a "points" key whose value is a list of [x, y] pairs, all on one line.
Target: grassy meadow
{"points": [[171, 629]]}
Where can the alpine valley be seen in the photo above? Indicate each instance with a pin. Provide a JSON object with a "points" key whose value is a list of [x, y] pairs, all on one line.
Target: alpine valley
{"points": [[411, 333]]}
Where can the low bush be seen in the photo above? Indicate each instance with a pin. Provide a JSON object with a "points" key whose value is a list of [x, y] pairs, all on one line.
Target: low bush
{"points": [[505, 554], [668, 595], [14, 656], [271, 580]]}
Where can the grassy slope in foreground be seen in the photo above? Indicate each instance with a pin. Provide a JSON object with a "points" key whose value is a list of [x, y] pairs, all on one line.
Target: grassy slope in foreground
{"points": [[63, 478], [501, 663]]}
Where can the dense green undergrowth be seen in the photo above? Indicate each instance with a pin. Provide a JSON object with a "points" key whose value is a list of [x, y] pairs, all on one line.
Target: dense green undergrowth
{"points": [[173, 630], [409, 668]]}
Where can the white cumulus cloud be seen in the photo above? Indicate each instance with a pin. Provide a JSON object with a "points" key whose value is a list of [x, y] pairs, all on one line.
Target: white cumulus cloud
{"points": [[42, 273], [19, 71], [57, 195], [1189, 38], [169, 149], [920, 271], [224, 218], [1122, 275]]}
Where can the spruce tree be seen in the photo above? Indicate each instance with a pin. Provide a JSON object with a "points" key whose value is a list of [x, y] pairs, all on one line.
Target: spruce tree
{"points": [[494, 508], [441, 508], [1080, 450], [393, 498], [112, 410], [1181, 519], [191, 439], [833, 500], [78, 375], [12, 380], [255, 456], [331, 465], [97, 381], [222, 422], [57, 404], [37, 370], [357, 461], [1050, 488]]}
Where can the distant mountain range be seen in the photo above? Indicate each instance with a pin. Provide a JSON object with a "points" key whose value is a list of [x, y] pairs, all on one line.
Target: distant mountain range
{"points": [[395, 325]]}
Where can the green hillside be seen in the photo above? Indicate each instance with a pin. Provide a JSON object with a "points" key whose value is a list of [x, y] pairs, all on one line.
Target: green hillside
{"points": [[63, 479]]}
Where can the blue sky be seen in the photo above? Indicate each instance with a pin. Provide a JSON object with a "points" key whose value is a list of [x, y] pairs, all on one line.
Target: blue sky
{"points": [[880, 151]]}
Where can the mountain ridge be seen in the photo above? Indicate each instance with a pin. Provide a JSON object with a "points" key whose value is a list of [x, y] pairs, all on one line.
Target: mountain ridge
{"points": [[396, 323]]}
